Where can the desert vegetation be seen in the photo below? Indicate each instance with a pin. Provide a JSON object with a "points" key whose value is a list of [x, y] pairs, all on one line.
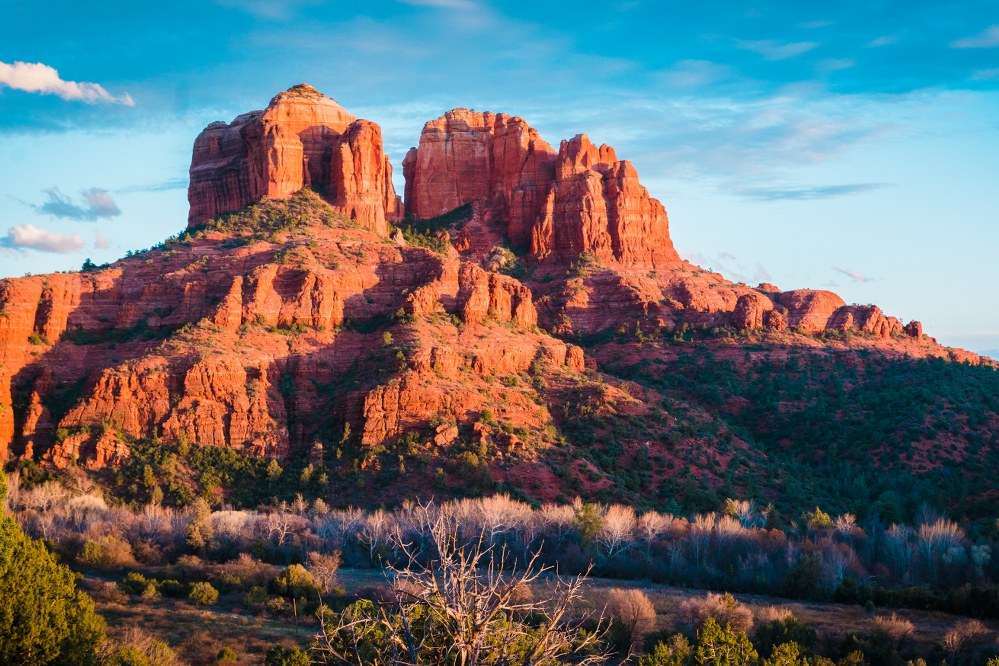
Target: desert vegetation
{"points": [[283, 561]]}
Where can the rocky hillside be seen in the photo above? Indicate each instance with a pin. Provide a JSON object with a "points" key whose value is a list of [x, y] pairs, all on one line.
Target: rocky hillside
{"points": [[521, 321]]}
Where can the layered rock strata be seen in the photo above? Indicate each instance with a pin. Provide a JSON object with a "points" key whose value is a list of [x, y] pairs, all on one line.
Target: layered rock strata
{"points": [[579, 200], [302, 139]]}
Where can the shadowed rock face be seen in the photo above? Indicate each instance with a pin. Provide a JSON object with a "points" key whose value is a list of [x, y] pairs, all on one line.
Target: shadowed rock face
{"points": [[560, 204], [302, 139]]}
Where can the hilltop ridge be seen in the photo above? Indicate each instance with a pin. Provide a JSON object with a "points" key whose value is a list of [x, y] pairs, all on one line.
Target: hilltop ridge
{"points": [[519, 321]]}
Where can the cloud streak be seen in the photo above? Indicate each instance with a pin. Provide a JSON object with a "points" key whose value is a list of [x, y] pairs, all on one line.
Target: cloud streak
{"points": [[441, 4], [856, 276], [728, 265], [30, 237], [987, 39], [97, 203], [771, 50], [809, 193], [36, 77]]}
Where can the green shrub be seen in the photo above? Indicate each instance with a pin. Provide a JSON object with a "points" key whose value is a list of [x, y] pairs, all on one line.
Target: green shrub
{"points": [[676, 651], [718, 646], [44, 619], [107, 552], [284, 656], [786, 654], [295, 581], [226, 656], [133, 583], [203, 594], [788, 630]]}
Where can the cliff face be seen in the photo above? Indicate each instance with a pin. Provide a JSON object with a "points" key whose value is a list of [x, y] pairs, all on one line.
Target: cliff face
{"points": [[578, 201], [223, 340], [302, 139], [302, 322]]}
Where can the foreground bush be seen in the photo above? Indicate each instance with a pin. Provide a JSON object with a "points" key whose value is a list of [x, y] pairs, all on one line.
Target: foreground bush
{"points": [[43, 618]]}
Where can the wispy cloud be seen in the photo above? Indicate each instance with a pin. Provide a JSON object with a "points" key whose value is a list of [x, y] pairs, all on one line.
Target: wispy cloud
{"points": [[856, 276], [36, 77], [443, 4], [172, 184], [985, 74], [101, 242], [808, 193], [771, 50], [30, 237], [729, 265], [987, 39], [883, 40], [270, 10], [96, 203], [694, 73]]}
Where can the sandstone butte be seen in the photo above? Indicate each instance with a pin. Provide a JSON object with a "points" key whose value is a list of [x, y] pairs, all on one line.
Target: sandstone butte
{"points": [[302, 139], [308, 321]]}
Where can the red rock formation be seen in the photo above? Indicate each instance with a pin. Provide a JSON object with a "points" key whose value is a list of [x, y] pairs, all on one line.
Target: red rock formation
{"points": [[466, 156], [775, 320], [750, 311], [260, 344], [251, 332], [597, 207], [866, 319], [302, 139], [810, 311], [582, 200]]}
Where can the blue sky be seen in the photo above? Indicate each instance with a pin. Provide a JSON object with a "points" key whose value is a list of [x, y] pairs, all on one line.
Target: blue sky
{"points": [[848, 146]]}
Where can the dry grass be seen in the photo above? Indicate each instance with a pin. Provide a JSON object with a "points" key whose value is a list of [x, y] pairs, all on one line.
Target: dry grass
{"points": [[767, 614], [831, 621], [724, 608], [894, 627], [197, 634]]}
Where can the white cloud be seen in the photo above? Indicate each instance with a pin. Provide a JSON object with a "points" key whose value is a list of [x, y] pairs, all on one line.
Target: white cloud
{"points": [[101, 242], [36, 77], [30, 237], [987, 39]]}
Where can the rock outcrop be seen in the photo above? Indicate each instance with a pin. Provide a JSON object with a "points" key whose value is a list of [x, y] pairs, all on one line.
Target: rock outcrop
{"points": [[579, 201], [751, 311], [267, 343], [466, 156], [302, 139]]}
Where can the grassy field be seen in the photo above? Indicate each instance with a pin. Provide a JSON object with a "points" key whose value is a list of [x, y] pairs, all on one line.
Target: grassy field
{"points": [[831, 621], [198, 633]]}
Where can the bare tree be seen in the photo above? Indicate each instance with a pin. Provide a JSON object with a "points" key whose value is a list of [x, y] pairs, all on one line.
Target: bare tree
{"points": [[617, 529], [323, 568], [463, 605]]}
